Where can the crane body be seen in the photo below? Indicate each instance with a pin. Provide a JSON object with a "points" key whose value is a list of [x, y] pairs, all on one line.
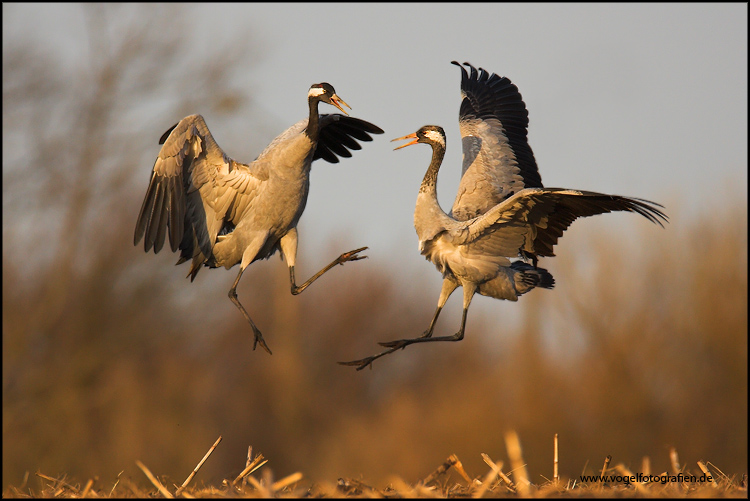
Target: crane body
{"points": [[220, 212], [502, 211]]}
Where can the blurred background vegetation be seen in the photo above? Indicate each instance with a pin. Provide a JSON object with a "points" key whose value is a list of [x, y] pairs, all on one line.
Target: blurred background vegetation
{"points": [[110, 356]]}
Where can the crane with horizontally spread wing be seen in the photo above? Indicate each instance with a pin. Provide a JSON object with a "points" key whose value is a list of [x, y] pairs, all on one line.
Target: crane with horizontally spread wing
{"points": [[220, 212], [501, 210]]}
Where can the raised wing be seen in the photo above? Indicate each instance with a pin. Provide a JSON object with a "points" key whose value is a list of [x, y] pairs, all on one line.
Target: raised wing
{"points": [[195, 189], [531, 221], [497, 159]]}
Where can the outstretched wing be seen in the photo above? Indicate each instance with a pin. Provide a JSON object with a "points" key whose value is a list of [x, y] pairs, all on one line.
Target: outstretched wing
{"points": [[195, 189], [532, 220], [497, 158], [337, 135], [339, 132]]}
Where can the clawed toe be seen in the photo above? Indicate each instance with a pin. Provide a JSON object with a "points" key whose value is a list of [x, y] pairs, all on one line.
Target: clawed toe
{"points": [[259, 340], [359, 364], [399, 344], [352, 255]]}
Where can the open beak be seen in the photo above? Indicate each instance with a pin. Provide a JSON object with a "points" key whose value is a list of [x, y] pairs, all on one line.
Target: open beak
{"points": [[337, 102], [413, 135]]}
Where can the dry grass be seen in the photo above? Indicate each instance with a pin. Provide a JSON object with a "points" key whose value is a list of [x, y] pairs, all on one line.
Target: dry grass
{"points": [[448, 480]]}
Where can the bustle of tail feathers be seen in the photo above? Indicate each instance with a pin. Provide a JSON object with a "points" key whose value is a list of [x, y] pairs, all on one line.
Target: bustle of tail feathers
{"points": [[529, 277]]}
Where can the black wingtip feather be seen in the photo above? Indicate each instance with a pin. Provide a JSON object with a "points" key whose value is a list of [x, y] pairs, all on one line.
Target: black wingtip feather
{"points": [[339, 136], [164, 136], [489, 95]]}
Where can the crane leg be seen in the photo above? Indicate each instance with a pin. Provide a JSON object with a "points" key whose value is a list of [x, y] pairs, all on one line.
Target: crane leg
{"points": [[343, 258], [256, 332], [469, 290], [448, 287]]}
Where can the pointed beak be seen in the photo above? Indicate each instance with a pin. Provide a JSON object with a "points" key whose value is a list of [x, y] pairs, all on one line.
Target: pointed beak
{"points": [[337, 102], [413, 135]]}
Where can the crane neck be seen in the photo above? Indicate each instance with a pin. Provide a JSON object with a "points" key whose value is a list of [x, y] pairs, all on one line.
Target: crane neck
{"points": [[429, 182], [313, 128]]}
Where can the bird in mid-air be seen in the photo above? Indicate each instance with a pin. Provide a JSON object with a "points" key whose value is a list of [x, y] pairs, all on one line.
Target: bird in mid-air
{"points": [[220, 212], [501, 211]]}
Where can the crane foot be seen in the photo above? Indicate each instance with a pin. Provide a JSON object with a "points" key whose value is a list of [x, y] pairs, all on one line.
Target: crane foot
{"points": [[351, 256], [360, 364], [259, 339]]}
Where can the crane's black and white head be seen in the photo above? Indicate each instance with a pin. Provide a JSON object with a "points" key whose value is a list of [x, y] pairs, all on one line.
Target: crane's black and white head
{"points": [[429, 134], [326, 93]]}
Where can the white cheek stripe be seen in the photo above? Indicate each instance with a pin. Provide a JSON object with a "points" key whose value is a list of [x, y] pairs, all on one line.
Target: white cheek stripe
{"points": [[316, 91], [435, 136]]}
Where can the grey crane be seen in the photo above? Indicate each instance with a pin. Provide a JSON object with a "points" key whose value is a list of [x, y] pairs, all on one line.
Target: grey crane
{"points": [[501, 210], [220, 212]]}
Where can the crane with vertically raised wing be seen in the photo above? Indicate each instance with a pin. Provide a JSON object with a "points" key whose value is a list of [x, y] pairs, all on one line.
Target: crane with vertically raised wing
{"points": [[502, 211]]}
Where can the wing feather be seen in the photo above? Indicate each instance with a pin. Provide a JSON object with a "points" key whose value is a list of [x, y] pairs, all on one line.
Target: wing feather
{"points": [[156, 218], [532, 220], [339, 132], [193, 184], [498, 160], [196, 190]]}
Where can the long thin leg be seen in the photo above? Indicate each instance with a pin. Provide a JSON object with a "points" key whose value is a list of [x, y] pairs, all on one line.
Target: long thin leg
{"points": [[343, 258], [392, 346], [428, 332], [403, 343], [448, 287], [233, 297]]}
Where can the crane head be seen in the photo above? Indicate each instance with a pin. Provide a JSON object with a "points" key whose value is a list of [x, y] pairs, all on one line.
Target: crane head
{"points": [[326, 93], [429, 134]]}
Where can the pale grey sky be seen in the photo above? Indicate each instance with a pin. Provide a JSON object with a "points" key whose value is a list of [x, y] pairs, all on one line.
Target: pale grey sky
{"points": [[645, 100], [642, 100]]}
